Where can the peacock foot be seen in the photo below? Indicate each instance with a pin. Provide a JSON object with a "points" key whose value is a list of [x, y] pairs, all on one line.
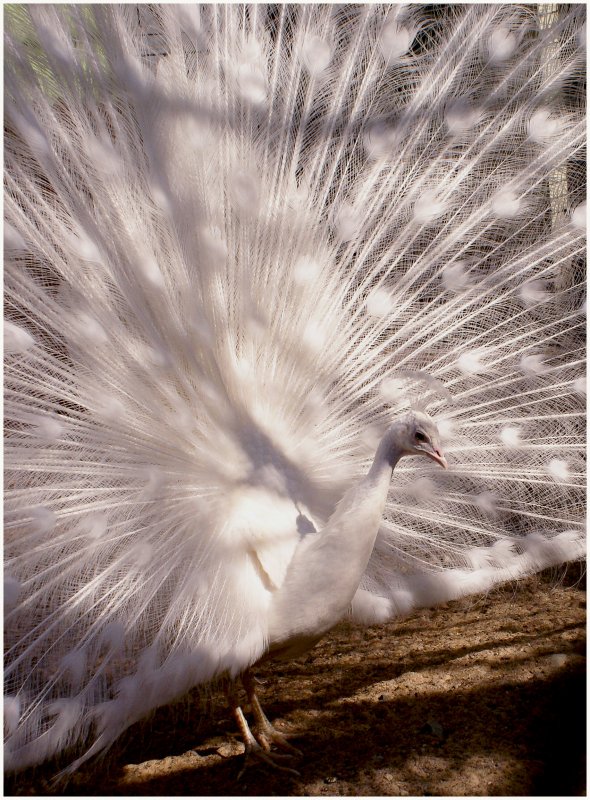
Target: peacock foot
{"points": [[268, 736], [258, 745], [264, 731], [259, 741]]}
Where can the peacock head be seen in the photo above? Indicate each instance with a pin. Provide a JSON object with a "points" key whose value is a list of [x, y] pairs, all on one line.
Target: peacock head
{"points": [[420, 437]]}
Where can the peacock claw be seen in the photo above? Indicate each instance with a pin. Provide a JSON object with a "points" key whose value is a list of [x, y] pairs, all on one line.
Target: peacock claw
{"points": [[255, 752], [269, 736]]}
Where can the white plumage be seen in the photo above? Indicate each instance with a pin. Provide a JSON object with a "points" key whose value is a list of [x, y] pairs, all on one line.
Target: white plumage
{"points": [[239, 243]]}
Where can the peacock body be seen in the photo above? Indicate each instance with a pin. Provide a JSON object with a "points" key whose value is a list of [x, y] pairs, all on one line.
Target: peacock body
{"points": [[240, 242]]}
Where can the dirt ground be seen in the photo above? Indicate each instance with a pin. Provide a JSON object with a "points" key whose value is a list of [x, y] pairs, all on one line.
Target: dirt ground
{"points": [[479, 697]]}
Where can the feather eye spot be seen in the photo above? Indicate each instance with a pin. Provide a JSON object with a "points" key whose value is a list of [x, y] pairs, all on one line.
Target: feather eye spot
{"points": [[533, 292], [533, 364], [13, 240], [12, 713], [428, 207], [580, 385], [506, 204], [379, 303], [471, 362], [43, 519], [543, 126], [580, 217], [559, 469], [252, 84], [460, 116], [395, 41], [455, 277], [12, 592], [16, 339], [316, 55], [501, 45], [510, 436]]}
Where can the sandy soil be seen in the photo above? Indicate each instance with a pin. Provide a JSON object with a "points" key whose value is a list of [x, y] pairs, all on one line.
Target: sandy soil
{"points": [[479, 697]]}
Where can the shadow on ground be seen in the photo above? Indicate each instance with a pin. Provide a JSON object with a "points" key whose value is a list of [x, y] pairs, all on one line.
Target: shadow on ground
{"points": [[482, 697]]}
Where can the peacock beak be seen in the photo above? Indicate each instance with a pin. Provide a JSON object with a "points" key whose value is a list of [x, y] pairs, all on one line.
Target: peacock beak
{"points": [[436, 455]]}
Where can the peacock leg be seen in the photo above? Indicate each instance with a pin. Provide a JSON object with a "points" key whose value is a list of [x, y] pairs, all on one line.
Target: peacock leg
{"points": [[265, 733], [253, 749]]}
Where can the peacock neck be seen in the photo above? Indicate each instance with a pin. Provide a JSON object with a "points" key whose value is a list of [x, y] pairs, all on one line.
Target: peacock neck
{"points": [[388, 454], [326, 569]]}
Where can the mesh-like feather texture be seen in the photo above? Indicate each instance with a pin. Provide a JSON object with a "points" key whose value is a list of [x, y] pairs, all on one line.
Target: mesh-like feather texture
{"points": [[237, 240]]}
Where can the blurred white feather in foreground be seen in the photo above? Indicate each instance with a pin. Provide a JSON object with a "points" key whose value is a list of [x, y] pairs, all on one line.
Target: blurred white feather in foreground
{"points": [[236, 240]]}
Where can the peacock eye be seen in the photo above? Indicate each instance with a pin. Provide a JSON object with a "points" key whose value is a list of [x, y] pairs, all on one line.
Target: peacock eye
{"points": [[421, 437]]}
